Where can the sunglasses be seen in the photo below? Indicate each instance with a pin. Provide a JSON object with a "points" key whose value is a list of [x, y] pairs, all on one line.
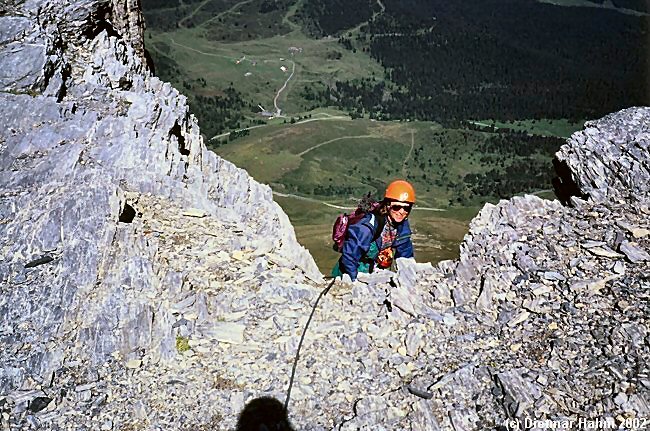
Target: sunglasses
{"points": [[396, 207]]}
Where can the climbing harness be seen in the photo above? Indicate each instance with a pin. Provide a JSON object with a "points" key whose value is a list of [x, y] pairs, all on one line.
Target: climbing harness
{"points": [[295, 362]]}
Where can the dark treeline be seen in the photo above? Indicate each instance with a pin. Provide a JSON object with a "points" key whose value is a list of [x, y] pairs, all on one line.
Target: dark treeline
{"points": [[150, 5], [165, 15], [164, 19], [269, 6], [522, 144], [330, 17], [502, 184], [235, 134], [502, 59], [519, 164], [219, 111]]}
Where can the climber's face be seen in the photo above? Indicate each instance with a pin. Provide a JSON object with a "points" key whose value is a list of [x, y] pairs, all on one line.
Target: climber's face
{"points": [[398, 211]]}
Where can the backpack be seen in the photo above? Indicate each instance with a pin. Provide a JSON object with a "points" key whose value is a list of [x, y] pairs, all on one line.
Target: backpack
{"points": [[343, 221]]}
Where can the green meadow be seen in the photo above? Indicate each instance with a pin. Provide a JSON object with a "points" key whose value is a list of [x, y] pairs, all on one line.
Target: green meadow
{"points": [[436, 234], [560, 128], [318, 160], [318, 165], [255, 67]]}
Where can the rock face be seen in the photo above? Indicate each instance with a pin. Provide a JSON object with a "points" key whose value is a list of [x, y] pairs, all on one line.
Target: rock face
{"points": [[148, 284], [608, 160]]}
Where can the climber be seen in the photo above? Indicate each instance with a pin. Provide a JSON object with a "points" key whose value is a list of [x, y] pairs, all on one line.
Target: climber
{"points": [[380, 236]]}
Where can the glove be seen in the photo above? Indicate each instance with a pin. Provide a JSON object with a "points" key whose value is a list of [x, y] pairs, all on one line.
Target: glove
{"points": [[385, 258], [346, 279]]}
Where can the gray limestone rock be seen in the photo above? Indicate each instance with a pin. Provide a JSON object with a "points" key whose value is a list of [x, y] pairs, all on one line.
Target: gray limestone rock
{"points": [[146, 282], [634, 253], [21, 67], [520, 393], [621, 142]]}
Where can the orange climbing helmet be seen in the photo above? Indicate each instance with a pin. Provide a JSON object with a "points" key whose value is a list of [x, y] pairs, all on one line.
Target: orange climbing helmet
{"points": [[400, 190]]}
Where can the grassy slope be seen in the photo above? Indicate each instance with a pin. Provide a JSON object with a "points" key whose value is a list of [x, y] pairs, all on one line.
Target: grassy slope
{"points": [[361, 155], [347, 157], [436, 235], [271, 155], [548, 127], [199, 57]]}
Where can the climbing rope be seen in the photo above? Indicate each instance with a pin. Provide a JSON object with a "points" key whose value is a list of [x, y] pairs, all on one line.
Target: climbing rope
{"points": [[295, 362]]}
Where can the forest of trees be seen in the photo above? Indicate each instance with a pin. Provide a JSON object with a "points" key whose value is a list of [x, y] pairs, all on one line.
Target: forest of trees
{"points": [[447, 61], [331, 17], [450, 61], [164, 15], [518, 161], [219, 113], [516, 169], [524, 59]]}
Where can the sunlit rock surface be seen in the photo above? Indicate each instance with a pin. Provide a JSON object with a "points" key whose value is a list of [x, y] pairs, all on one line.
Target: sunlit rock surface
{"points": [[148, 284]]}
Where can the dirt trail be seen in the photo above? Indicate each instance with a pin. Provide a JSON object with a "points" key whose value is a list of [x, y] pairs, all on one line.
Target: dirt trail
{"points": [[286, 19], [232, 9], [337, 139], [328, 117], [198, 51], [408, 156], [374, 15], [278, 111], [181, 23], [303, 198], [228, 133]]}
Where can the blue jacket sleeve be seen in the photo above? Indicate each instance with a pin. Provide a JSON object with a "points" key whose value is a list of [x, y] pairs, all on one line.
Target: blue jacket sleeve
{"points": [[357, 243], [403, 244]]}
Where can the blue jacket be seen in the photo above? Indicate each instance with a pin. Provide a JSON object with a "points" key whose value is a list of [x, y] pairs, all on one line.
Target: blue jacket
{"points": [[358, 240]]}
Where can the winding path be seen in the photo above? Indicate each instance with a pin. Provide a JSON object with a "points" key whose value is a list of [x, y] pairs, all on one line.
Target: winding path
{"points": [[303, 198], [278, 111], [328, 117], [228, 133], [286, 19], [181, 23], [338, 139], [408, 156], [220, 14], [198, 51], [340, 207]]}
